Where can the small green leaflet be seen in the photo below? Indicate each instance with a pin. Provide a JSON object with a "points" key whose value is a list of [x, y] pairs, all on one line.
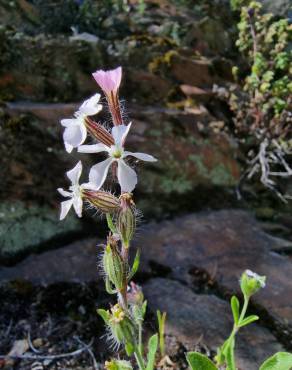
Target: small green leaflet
{"points": [[235, 308], [197, 361], [152, 348], [279, 361]]}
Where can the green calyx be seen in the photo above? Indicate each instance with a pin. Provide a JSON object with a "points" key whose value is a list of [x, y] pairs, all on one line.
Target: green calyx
{"points": [[113, 265], [126, 225]]}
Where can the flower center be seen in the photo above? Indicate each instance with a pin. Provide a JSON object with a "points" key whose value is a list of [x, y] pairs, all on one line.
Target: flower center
{"points": [[116, 151], [76, 191]]}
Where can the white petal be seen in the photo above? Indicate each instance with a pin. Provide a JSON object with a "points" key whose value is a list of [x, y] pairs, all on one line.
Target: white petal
{"points": [[95, 148], [91, 107], [77, 204], [70, 122], [68, 147], [141, 156], [120, 133], [64, 192], [75, 173], [98, 172], [127, 177], [75, 135], [65, 208], [88, 186]]}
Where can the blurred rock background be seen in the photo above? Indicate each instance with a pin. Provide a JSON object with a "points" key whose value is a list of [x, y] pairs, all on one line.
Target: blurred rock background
{"points": [[173, 52]]}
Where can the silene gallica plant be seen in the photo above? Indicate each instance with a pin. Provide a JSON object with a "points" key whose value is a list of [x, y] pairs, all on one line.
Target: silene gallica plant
{"points": [[123, 320]]}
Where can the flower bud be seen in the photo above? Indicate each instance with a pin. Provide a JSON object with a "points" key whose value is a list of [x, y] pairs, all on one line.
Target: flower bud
{"points": [[135, 294], [118, 365], [251, 282], [102, 200], [113, 264], [126, 219]]}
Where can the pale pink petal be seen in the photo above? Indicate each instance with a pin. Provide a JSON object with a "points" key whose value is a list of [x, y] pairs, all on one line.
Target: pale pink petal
{"points": [[65, 208], [77, 204], [99, 171], [141, 156], [75, 173], [91, 107], [75, 135], [120, 133], [95, 148], [64, 192], [108, 80], [127, 177]]}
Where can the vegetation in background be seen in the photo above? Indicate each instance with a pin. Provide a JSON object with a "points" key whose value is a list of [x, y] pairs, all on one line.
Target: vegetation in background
{"points": [[262, 106]]}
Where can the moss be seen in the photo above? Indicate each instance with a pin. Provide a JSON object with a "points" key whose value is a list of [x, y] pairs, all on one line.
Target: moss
{"points": [[24, 229], [162, 61]]}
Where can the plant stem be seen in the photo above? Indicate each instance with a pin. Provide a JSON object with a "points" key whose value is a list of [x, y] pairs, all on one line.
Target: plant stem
{"points": [[244, 309], [140, 337], [139, 359]]}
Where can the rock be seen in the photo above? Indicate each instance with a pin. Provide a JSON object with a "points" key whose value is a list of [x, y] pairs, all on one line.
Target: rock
{"points": [[222, 245], [206, 319], [25, 229], [209, 36], [59, 265], [197, 72], [279, 7]]}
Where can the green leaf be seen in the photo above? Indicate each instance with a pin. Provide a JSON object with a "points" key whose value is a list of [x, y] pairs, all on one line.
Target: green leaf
{"points": [[129, 348], [235, 308], [161, 318], [135, 266], [197, 361], [152, 348], [108, 287], [144, 307], [104, 314], [248, 320], [279, 361]]}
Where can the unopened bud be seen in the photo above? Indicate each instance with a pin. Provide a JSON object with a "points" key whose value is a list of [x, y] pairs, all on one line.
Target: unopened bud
{"points": [[102, 200], [251, 282], [113, 264], [126, 219], [135, 294]]}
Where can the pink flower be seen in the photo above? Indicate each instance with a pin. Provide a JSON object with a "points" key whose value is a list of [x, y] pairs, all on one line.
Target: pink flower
{"points": [[109, 81]]}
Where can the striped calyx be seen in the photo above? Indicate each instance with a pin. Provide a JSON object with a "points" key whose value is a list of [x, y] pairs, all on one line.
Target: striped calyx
{"points": [[113, 264], [102, 200]]}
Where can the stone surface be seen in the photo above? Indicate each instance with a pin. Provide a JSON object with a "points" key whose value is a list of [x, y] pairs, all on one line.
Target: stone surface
{"points": [[206, 319], [76, 262], [223, 244], [24, 228]]}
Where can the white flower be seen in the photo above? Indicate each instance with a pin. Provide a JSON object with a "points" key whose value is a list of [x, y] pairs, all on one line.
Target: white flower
{"points": [[75, 129], [75, 193], [127, 177], [258, 278]]}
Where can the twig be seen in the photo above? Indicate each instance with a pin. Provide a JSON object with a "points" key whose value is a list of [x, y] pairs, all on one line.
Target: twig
{"points": [[48, 357], [95, 364], [32, 347]]}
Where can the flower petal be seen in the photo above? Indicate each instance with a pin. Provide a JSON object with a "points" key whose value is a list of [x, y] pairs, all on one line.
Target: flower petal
{"points": [[141, 156], [99, 171], [65, 208], [75, 135], [69, 122], [127, 177], [68, 147], [64, 192], [120, 133], [95, 148], [108, 80], [90, 106], [75, 173], [89, 186], [77, 204]]}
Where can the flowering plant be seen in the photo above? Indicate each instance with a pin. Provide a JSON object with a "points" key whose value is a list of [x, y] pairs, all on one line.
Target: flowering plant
{"points": [[124, 320]]}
